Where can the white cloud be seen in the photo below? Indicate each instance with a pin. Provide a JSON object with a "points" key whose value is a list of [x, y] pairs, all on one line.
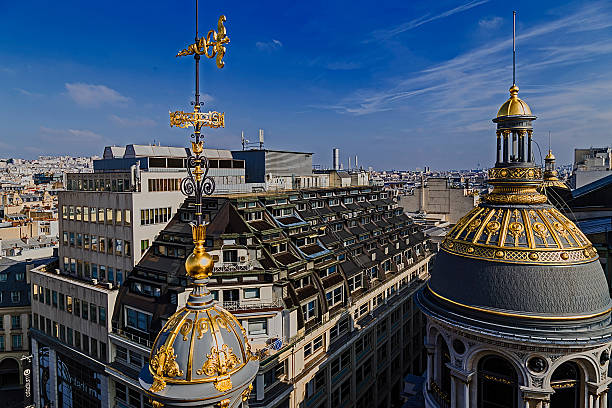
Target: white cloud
{"points": [[490, 23], [385, 34], [268, 46], [132, 122], [70, 135], [94, 95]]}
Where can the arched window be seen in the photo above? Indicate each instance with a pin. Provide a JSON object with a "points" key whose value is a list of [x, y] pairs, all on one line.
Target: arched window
{"points": [[565, 381], [497, 383], [9, 372]]}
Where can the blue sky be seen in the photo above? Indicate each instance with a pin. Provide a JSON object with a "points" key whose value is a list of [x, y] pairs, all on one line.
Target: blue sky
{"points": [[401, 84]]}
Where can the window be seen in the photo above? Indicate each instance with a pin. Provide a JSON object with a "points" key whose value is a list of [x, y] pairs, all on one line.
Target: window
{"points": [[128, 248], [69, 304], [101, 215], [15, 322], [127, 220], [109, 215], [316, 384], [309, 310], [93, 313], [313, 346], [362, 343], [77, 339], [341, 394], [340, 327], [258, 326], [251, 293], [77, 307], [144, 244], [64, 212], [15, 296], [137, 319], [102, 316], [363, 371], [334, 296], [85, 310], [85, 343], [355, 283], [341, 362], [17, 341], [69, 336], [94, 242], [1, 342]]}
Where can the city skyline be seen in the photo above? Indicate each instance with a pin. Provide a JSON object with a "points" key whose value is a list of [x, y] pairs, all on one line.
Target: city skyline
{"points": [[309, 76]]}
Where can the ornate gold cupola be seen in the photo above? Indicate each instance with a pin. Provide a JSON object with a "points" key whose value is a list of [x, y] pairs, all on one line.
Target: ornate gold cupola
{"points": [[201, 357]]}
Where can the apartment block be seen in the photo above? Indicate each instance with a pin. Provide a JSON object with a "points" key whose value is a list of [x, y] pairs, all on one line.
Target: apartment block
{"points": [[321, 279]]}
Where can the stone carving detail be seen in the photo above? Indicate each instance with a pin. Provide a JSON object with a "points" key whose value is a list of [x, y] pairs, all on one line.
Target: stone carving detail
{"points": [[537, 381]]}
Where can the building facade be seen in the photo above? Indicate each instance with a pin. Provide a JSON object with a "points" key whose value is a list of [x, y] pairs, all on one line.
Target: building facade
{"points": [[15, 314], [70, 323], [321, 280]]}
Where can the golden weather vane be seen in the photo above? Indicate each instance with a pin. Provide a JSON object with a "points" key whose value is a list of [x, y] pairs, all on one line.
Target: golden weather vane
{"points": [[212, 45], [214, 41]]}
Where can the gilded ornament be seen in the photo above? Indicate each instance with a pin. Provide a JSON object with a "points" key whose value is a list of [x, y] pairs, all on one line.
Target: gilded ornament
{"points": [[156, 404], [540, 230], [516, 229], [163, 365], [245, 394], [533, 256], [492, 227], [213, 45], [499, 254], [218, 364], [202, 326], [224, 403], [470, 250], [564, 256], [186, 328]]}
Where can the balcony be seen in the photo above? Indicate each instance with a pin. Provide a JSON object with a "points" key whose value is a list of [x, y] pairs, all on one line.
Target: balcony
{"points": [[439, 396], [238, 305], [233, 267], [133, 337]]}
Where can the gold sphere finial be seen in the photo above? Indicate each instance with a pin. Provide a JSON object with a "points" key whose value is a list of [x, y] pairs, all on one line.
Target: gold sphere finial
{"points": [[514, 91], [199, 264]]}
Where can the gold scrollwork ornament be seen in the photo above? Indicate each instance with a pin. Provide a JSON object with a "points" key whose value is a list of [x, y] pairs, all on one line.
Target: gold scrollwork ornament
{"points": [[218, 364], [163, 365]]}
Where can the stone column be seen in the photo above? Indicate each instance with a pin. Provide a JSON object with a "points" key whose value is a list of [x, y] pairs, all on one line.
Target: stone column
{"points": [[430, 364], [460, 387], [536, 397], [598, 393]]}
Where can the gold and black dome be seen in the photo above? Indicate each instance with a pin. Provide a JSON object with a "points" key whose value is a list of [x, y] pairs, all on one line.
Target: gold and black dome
{"points": [[515, 256]]}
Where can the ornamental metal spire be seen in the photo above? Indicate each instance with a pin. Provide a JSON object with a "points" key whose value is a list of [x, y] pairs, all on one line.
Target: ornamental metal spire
{"points": [[198, 182], [514, 48]]}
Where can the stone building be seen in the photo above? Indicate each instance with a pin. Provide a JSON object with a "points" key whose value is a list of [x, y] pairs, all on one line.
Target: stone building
{"points": [[518, 307], [321, 279], [437, 196]]}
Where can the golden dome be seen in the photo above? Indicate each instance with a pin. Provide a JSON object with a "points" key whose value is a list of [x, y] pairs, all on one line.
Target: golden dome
{"points": [[550, 155], [514, 105]]}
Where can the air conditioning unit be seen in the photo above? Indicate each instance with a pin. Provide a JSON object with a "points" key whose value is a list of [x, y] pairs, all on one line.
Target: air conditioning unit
{"points": [[243, 259]]}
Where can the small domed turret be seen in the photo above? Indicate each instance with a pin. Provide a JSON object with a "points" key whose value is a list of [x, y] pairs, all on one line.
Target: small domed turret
{"points": [[514, 105]]}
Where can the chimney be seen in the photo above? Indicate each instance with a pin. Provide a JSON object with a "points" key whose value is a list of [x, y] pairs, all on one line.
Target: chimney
{"points": [[336, 159], [29, 265], [356, 163]]}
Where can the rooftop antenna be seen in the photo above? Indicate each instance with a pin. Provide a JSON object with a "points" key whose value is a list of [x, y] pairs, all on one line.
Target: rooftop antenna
{"points": [[514, 48], [549, 147]]}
